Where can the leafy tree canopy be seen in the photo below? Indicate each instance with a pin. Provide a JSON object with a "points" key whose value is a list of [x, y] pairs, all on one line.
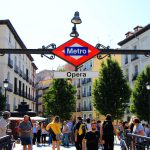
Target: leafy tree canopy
{"points": [[140, 96], [111, 91], [60, 99]]}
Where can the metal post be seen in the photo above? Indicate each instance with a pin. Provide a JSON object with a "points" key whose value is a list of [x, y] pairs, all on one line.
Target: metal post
{"points": [[5, 100]]}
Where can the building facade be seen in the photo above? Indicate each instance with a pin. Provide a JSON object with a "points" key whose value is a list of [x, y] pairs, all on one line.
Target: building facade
{"points": [[18, 69], [134, 64], [43, 82]]}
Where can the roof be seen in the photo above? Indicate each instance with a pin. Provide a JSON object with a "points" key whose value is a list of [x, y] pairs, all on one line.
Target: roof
{"points": [[12, 29], [144, 29], [35, 67]]}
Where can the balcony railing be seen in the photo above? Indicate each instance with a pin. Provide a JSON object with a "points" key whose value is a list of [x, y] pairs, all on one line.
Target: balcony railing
{"points": [[78, 85], [88, 93], [84, 81], [83, 94], [78, 109], [20, 72], [134, 57], [10, 87], [16, 69], [126, 61], [134, 76], [89, 80], [87, 109], [8, 107], [78, 96], [10, 62]]}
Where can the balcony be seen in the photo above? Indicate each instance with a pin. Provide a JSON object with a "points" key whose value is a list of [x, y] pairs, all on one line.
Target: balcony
{"points": [[78, 96], [10, 62], [24, 76], [8, 107], [89, 93], [20, 72], [10, 87], [16, 68], [78, 109], [16, 91], [83, 94], [134, 57], [134, 76], [126, 61], [87, 108], [84, 81], [78, 85], [89, 80]]}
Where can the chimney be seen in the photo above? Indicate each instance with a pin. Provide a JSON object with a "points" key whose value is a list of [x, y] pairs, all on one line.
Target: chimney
{"points": [[137, 28], [129, 34]]}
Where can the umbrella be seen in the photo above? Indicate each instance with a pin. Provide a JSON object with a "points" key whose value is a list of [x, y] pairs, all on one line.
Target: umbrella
{"points": [[36, 118]]}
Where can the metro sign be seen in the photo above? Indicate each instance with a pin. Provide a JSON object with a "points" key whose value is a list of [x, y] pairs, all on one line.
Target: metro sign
{"points": [[76, 51]]}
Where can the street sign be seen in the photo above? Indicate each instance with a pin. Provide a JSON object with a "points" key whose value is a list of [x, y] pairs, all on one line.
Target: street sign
{"points": [[76, 74], [76, 51]]}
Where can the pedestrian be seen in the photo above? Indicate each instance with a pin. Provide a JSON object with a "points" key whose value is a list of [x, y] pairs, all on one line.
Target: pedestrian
{"points": [[25, 129], [88, 124], [139, 130], [80, 130], [91, 139], [65, 132], [70, 134], [107, 133], [4, 122], [44, 133], [34, 131], [54, 127], [39, 132]]}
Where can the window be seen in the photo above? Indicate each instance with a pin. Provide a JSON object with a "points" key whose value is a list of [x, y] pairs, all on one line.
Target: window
{"points": [[126, 59], [136, 69], [9, 37], [127, 74], [134, 56]]}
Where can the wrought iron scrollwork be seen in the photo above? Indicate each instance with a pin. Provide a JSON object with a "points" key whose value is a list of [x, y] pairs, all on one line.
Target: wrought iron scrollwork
{"points": [[99, 47], [52, 46]]}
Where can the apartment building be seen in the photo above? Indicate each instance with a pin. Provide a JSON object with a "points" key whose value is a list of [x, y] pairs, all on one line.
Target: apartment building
{"points": [[43, 82], [18, 69], [132, 65]]}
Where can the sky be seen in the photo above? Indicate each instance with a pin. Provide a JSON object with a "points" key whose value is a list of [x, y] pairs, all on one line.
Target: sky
{"points": [[42, 22]]}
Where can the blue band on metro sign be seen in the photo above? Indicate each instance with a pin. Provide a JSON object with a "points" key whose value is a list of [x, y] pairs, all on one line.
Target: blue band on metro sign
{"points": [[76, 51]]}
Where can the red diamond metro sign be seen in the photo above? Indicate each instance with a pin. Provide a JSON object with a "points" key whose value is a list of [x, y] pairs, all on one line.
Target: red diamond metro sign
{"points": [[76, 51]]}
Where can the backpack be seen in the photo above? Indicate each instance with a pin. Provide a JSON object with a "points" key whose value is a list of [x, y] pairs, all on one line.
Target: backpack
{"points": [[82, 129], [108, 130]]}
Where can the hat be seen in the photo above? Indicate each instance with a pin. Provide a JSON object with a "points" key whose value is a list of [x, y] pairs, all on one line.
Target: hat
{"points": [[6, 113]]}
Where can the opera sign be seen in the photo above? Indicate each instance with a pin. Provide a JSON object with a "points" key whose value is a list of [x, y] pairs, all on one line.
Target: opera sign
{"points": [[76, 51]]}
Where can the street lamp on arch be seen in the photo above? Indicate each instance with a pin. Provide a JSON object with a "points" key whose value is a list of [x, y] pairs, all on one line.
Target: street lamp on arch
{"points": [[75, 20]]}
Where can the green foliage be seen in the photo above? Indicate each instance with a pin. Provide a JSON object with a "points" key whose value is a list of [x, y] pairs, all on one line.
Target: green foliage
{"points": [[2, 102], [111, 91], [60, 99], [140, 96]]}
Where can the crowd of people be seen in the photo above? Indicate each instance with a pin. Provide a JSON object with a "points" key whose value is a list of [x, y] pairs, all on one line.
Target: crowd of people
{"points": [[89, 134]]}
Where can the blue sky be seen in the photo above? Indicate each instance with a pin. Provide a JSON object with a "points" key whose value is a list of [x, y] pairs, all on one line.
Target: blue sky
{"points": [[41, 22]]}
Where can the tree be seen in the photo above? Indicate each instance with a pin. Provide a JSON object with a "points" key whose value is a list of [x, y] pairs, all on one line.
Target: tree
{"points": [[140, 96], [111, 91], [60, 99], [2, 102]]}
